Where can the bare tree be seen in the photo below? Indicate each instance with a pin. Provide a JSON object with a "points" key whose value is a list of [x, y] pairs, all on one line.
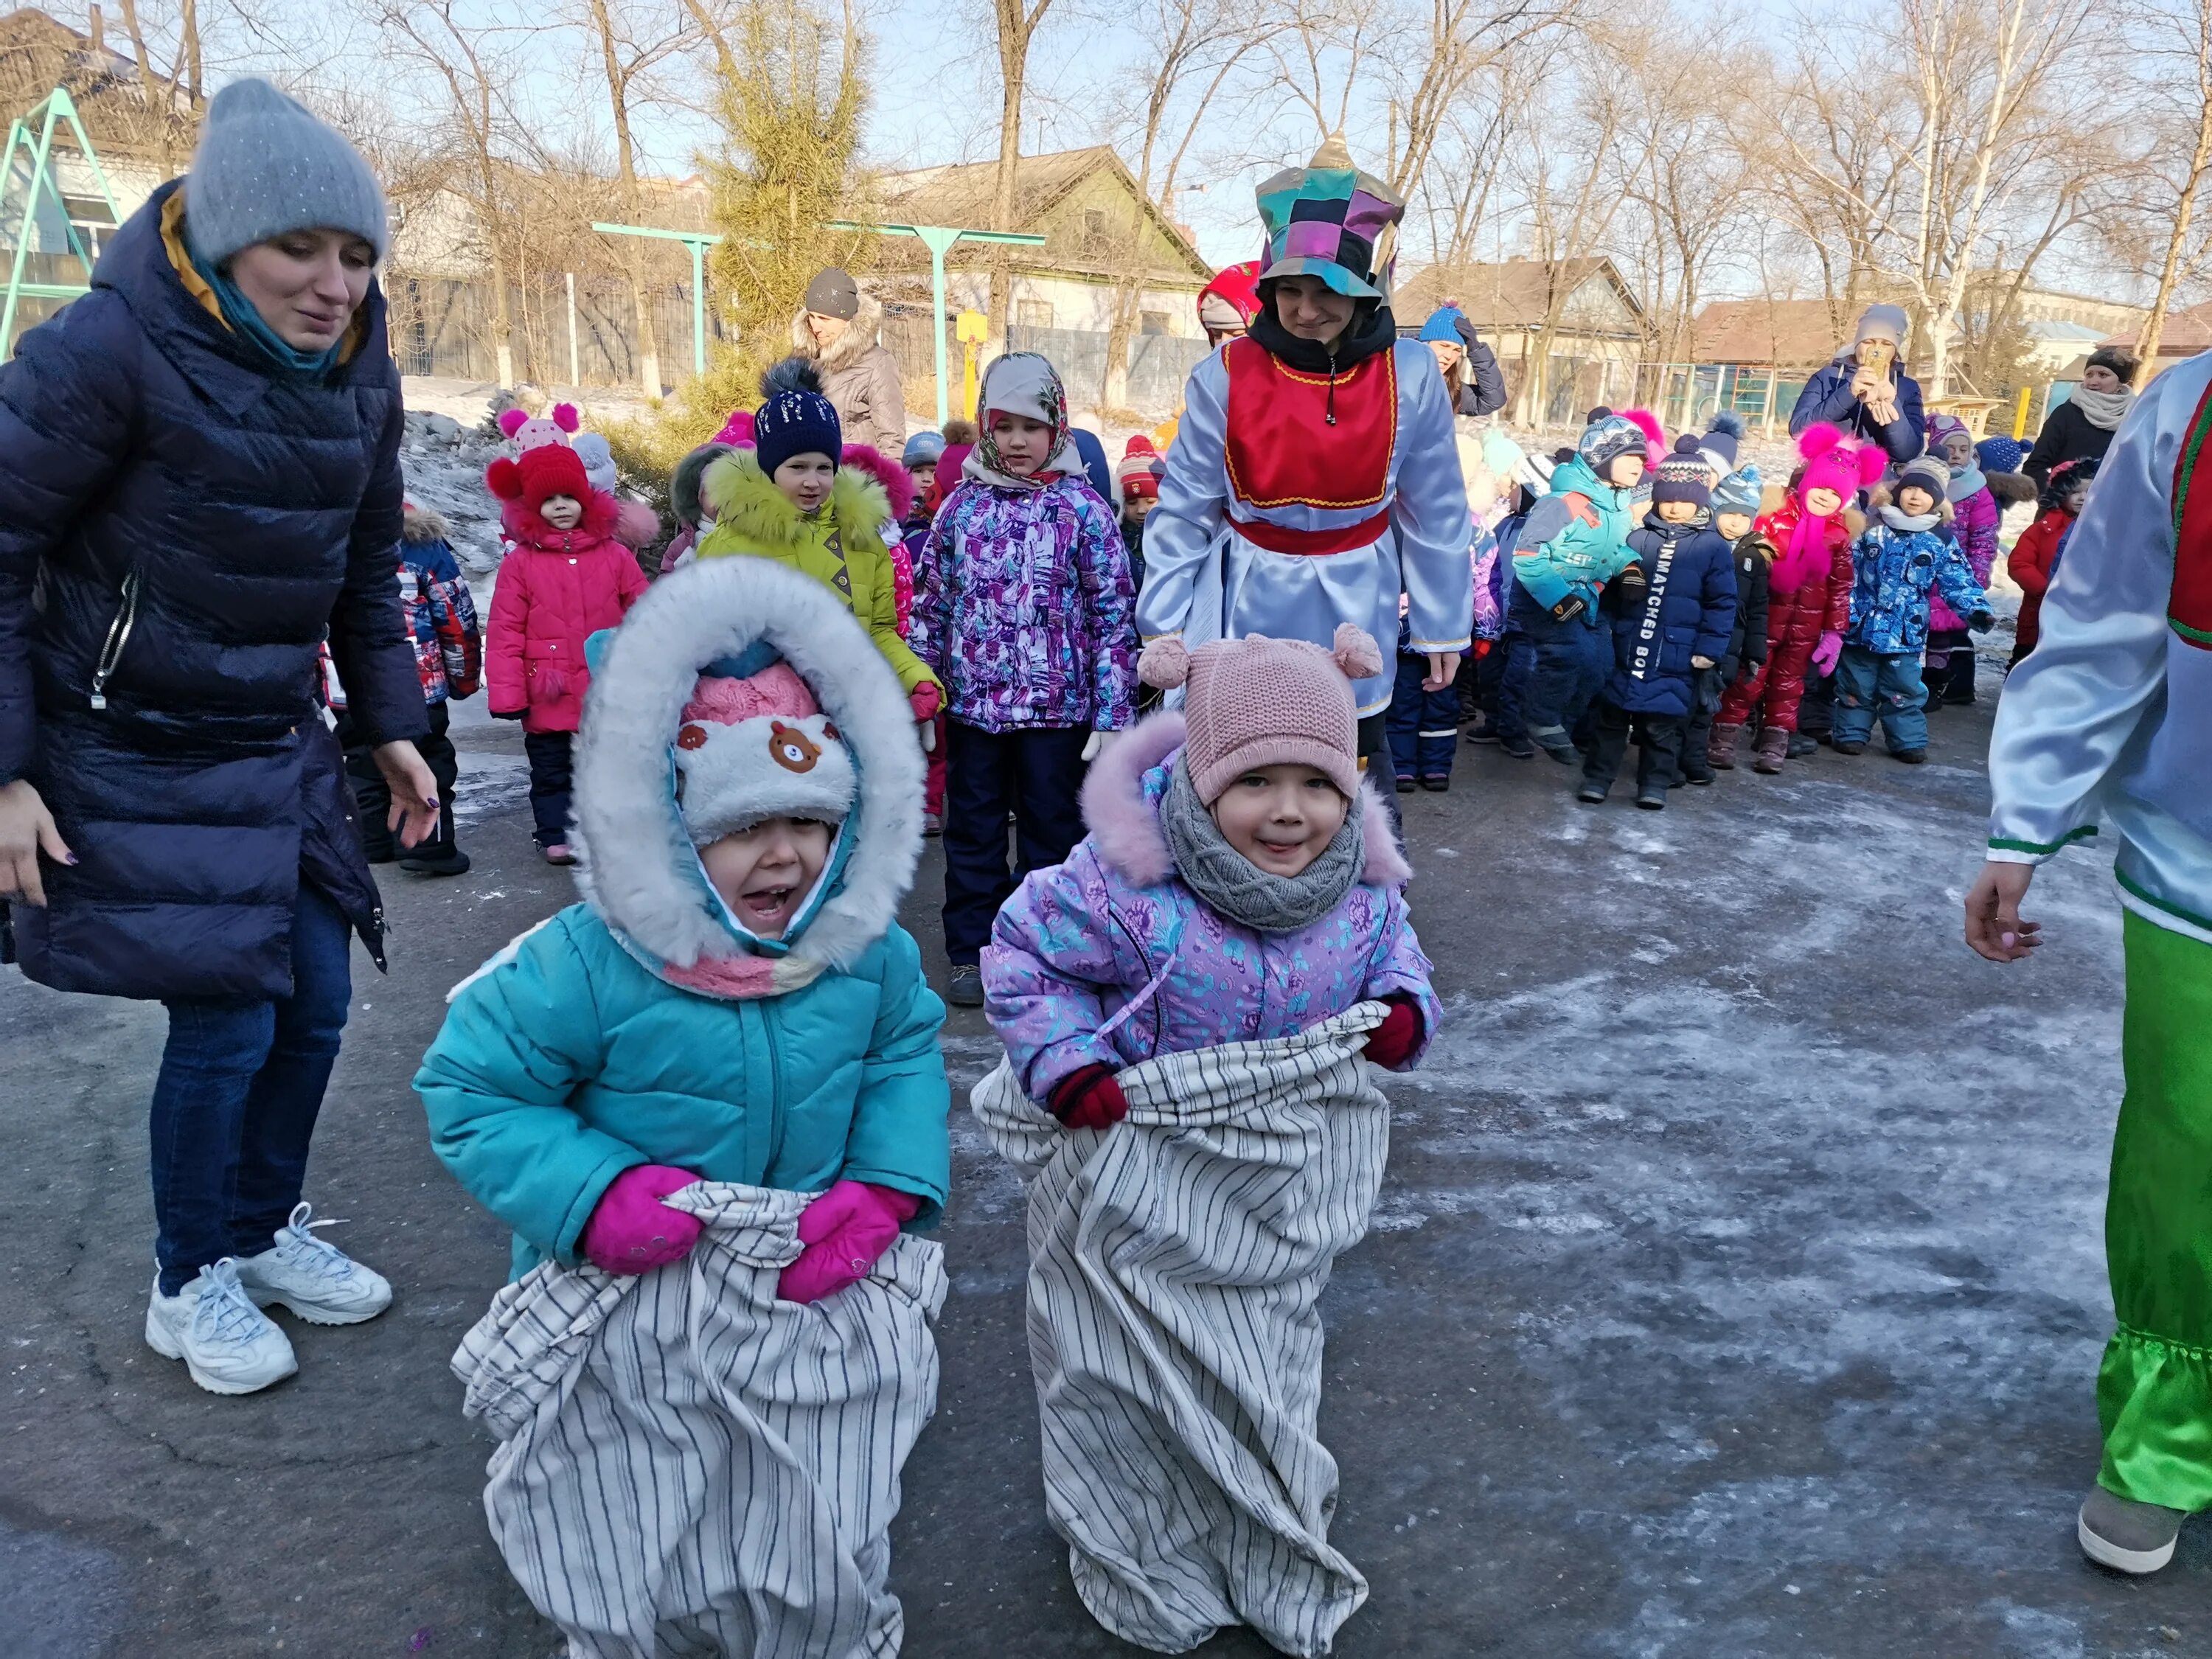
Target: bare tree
{"points": [[627, 55], [1206, 42], [1568, 195], [1017, 21], [2179, 33], [474, 65]]}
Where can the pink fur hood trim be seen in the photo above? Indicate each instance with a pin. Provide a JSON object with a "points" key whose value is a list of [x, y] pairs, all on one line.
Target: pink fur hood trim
{"points": [[1125, 826]]}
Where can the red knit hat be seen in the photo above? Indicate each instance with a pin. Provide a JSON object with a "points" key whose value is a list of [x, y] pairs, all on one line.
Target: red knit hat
{"points": [[1139, 474], [548, 470]]}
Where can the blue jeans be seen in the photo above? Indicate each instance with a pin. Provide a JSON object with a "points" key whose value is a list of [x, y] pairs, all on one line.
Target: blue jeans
{"points": [[1868, 687], [234, 1106]]}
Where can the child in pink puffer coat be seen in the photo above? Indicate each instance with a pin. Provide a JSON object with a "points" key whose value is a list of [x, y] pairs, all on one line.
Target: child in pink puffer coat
{"points": [[1238, 883], [566, 578]]}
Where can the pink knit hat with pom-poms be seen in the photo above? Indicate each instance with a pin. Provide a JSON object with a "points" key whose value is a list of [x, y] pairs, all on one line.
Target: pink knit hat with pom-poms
{"points": [[1258, 701], [1834, 463]]}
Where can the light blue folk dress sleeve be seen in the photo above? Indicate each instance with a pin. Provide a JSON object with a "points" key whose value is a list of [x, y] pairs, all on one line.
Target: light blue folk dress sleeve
{"points": [[1181, 533], [1430, 512], [2074, 707]]}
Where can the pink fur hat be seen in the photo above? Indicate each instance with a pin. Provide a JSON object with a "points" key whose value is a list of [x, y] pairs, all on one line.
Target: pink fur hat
{"points": [[755, 748], [1258, 701], [1835, 463]]}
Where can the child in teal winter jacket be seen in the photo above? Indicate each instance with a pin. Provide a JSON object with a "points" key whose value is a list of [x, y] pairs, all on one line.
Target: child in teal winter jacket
{"points": [[761, 1019], [732, 1016], [1574, 541], [1905, 556]]}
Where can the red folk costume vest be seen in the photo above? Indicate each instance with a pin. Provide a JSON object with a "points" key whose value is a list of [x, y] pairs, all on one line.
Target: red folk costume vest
{"points": [[2189, 608], [1285, 451]]}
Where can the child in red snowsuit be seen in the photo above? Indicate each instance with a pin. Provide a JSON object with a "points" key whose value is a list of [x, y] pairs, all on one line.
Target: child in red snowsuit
{"points": [[1808, 596], [2034, 557]]}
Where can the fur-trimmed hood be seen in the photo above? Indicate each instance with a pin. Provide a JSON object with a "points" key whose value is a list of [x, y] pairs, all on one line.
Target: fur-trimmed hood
{"points": [[525, 528], [422, 525], [745, 503], [859, 338], [640, 872], [1122, 809]]}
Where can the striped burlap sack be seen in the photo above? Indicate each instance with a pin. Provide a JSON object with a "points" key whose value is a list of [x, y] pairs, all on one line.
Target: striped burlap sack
{"points": [[1174, 1263], [688, 1465]]}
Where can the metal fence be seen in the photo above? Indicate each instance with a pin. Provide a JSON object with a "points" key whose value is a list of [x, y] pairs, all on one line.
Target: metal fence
{"points": [[585, 335], [1158, 363], [1686, 396]]}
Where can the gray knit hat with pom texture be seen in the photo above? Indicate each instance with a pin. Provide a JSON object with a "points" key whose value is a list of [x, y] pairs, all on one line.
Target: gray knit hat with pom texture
{"points": [[265, 166]]}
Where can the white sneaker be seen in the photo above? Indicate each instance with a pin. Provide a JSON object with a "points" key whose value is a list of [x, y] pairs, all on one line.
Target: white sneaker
{"points": [[227, 1343], [317, 1281]]}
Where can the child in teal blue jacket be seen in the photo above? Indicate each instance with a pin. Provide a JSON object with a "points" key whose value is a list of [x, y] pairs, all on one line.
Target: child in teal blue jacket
{"points": [[734, 999], [708, 1092]]}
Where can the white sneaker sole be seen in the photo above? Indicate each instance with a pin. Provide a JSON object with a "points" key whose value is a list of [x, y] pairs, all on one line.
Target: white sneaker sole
{"points": [[2106, 1553], [159, 1340], [315, 1313]]}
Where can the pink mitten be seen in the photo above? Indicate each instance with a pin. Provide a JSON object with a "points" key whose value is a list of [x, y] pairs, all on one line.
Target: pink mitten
{"points": [[844, 1231], [631, 1231], [1827, 653]]}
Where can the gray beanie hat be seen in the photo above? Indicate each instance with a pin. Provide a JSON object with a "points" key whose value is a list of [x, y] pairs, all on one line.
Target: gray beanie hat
{"points": [[266, 166]]}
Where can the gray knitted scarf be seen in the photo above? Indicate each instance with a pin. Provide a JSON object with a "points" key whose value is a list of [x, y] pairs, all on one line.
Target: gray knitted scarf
{"points": [[1240, 890]]}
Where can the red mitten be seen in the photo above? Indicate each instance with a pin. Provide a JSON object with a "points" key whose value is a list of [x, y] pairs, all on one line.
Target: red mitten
{"points": [[1089, 1099], [631, 1231], [1391, 1044], [924, 700], [845, 1231]]}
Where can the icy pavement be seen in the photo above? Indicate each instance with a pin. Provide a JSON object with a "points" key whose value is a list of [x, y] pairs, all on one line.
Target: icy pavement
{"points": [[1737, 1289]]}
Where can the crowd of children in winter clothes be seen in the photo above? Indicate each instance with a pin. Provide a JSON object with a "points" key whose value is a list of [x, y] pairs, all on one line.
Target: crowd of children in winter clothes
{"points": [[1653, 593]]}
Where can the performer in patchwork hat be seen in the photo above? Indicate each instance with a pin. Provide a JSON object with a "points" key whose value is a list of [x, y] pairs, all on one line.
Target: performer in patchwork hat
{"points": [[1315, 477]]}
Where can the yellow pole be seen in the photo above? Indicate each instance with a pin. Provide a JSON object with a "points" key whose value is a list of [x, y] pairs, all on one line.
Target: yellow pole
{"points": [[2019, 416], [972, 327]]}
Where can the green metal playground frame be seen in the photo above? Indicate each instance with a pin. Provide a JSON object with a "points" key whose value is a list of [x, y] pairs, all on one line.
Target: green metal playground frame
{"points": [[55, 108]]}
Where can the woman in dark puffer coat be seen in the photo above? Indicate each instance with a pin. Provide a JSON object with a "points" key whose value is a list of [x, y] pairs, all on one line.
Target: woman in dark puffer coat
{"points": [[199, 484]]}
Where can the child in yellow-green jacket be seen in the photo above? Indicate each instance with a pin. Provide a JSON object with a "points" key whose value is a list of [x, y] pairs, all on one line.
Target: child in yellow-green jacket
{"points": [[786, 499]]}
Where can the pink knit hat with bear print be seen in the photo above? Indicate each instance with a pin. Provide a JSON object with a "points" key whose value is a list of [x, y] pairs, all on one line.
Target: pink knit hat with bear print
{"points": [[757, 748], [1258, 701]]}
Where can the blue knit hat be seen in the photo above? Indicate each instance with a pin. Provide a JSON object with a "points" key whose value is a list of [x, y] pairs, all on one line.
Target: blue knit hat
{"points": [[266, 166], [1684, 475], [795, 419], [922, 449], [1739, 492], [1443, 325]]}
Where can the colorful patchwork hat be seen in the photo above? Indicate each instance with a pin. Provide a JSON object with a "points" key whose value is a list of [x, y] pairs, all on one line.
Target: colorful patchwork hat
{"points": [[1327, 219]]}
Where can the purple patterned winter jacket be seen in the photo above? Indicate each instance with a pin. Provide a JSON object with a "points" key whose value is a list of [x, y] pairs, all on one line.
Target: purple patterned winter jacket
{"points": [[1109, 959], [1974, 522], [1022, 605]]}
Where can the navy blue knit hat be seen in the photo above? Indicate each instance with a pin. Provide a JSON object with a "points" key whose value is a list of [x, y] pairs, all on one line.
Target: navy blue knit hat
{"points": [[1684, 475], [794, 418]]}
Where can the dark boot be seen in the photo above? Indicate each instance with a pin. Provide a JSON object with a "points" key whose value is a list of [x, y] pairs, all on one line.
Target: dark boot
{"points": [[1773, 750], [1720, 749]]}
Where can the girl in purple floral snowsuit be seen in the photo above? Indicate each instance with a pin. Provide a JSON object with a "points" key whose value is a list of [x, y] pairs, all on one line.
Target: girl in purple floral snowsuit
{"points": [[1157, 936], [1022, 606]]}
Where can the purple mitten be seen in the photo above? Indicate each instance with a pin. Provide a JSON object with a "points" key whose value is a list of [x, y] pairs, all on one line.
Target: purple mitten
{"points": [[1827, 653], [631, 1231], [844, 1230]]}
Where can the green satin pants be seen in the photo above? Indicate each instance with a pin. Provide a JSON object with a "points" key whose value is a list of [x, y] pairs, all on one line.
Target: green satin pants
{"points": [[2154, 1387]]}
